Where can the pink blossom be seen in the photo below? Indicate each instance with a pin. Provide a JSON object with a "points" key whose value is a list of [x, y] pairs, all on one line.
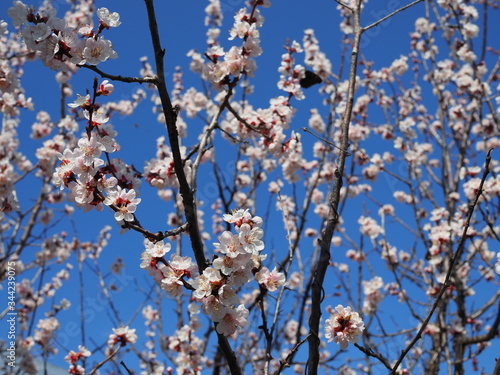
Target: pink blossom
{"points": [[229, 245], [91, 149], [19, 13], [250, 238], [157, 249], [80, 101], [316, 122], [227, 295], [214, 308], [369, 227], [105, 88], [228, 265], [74, 357], [344, 326], [99, 50], [122, 336], [373, 295], [124, 202], [171, 282], [204, 284], [270, 280], [45, 332], [108, 19], [232, 320]]}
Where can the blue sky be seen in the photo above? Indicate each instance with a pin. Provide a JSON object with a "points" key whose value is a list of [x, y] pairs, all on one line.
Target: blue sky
{"points": [[181, 26]]}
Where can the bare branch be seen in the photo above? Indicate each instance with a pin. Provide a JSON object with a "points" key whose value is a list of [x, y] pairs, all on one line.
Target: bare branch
{"points": [[390, 15], [325, 141], [118, 77], [369, 352], [107, 359], [492, 332]]}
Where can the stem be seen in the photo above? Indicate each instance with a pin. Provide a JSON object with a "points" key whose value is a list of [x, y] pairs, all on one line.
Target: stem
{"points": [[390, 15], [119, 78], [173, 136]]}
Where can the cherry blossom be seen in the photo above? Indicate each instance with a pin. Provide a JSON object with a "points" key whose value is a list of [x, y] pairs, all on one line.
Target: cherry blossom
{"points": [[74, 357], [250, 238], [125, 203], [291, 74], [229, 245], [373, 295], [344, 326], [105, 88], [107, 18], [19, 13], [231, 320], [80, 101], [57, 42], [157, 249], [270, 280], [122, 336], [96, 51], [369, 227]]}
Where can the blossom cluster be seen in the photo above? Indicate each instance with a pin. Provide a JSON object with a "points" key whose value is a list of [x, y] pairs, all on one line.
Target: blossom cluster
{"points": [[159, 172], [92, 182], [238, 260], [238, 60], [314, 57], [188, 347], [373, 294], [12, 95], [121, 336], [45, 334], [74, 357], [184, 344], [58, 44], [344, 326], [238, 257], [291, 73]]}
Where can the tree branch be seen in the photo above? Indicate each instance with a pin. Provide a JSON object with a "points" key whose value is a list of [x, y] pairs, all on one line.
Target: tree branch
{"points": [[118, 77], [390, 15], [319, 269], [456, 255], [188, 198]]}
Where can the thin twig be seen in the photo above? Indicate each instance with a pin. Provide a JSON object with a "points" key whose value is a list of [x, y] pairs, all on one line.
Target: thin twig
{"points": [[118, 77], [327, 142], [390, 15], [286, 362], [125, 367], [369, 352], [107, 359]]}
